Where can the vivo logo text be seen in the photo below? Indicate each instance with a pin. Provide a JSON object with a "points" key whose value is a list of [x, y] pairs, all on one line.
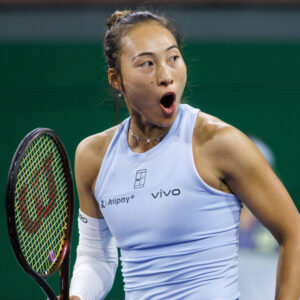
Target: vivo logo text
{"points": [[166, 193]]}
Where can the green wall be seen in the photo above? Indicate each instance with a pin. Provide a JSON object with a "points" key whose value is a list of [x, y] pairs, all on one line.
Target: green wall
{"points": [[254, 86]]}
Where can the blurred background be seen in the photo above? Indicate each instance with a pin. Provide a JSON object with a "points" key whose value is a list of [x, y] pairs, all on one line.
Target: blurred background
{"points": [[243, 60]]}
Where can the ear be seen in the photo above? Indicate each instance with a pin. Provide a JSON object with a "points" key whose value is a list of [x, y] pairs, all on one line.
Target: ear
{"points": [[114, 79]]}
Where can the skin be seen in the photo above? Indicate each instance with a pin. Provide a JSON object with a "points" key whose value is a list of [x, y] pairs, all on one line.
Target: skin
{"points": [[224, 157], [152, 69]]}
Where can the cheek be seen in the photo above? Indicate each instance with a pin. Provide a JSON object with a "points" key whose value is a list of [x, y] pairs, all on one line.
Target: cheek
{"points": [[181, 77], [138, 85], [184, 74], [137, 91], [183, 70]]}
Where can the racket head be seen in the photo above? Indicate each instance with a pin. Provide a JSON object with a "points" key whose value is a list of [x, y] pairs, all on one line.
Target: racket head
{"points": [[39, 203]]}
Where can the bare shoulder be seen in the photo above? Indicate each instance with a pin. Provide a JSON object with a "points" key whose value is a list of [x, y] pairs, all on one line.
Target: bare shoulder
{"points": [[210, 130], [96, 144], [224, 144], [88, 159], [90, 152]]}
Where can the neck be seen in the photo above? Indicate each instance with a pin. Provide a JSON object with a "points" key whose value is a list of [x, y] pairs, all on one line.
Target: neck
{"points": [[142, 137]]}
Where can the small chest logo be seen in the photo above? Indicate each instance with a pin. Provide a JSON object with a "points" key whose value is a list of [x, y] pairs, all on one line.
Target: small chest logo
{"points": [[140, 178], [162, 193], [115, 201]]}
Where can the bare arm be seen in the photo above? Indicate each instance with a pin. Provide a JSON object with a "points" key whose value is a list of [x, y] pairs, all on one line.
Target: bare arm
{"points": [[88, 158], [252, 180], [87, 165]]}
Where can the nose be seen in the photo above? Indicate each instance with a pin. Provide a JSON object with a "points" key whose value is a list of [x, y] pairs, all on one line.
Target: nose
{"points": [[164, 76]]}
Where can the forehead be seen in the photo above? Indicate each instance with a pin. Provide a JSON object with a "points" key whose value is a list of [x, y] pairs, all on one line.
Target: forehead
{"points": [[147, 36]]}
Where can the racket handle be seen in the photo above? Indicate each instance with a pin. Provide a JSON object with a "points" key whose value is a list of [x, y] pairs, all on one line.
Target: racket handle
{"points": [[64, 277]]}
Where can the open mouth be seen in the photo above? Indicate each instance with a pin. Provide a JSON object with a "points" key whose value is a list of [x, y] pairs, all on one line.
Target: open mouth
{"points": [[167, 100], [168, 104]]}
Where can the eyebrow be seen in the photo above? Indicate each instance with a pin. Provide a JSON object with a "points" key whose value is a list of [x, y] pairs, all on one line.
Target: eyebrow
{"points": [[151, 53]]}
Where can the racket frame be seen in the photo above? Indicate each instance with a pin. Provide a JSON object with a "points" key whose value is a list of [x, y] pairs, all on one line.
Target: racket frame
{"points": [[64, 258]]}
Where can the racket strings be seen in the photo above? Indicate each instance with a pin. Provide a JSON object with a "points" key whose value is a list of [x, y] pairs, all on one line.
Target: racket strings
{"points": [[41, 205]]}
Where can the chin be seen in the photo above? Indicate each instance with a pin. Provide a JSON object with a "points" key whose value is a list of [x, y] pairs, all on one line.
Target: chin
{"points": [[167, 121]]}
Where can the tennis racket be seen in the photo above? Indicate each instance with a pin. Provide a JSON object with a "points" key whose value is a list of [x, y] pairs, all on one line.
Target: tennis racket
{"points": [[39, 208]]}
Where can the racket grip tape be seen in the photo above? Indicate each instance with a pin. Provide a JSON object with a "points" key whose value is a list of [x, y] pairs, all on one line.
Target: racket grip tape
{"points": [[64, 277]]}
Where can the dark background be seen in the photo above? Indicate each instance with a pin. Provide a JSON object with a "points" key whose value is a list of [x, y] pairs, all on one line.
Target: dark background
{"points": [[243, 67]]}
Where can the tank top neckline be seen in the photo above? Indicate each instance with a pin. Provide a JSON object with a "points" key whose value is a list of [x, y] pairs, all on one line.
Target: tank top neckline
{"points": [[161, 146]]}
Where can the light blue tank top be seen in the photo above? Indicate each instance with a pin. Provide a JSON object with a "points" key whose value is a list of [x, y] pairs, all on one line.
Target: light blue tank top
{"points": [[178, 236]]}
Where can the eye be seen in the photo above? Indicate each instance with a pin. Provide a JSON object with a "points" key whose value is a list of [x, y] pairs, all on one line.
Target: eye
{"points": [[147, 64], [174, 58]]}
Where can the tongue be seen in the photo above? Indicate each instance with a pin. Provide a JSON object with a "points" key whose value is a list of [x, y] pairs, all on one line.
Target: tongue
{"points": [[169, 110]]}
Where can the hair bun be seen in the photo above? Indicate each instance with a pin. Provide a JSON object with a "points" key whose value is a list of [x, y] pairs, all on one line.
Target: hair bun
{"points": [[116, 16]]}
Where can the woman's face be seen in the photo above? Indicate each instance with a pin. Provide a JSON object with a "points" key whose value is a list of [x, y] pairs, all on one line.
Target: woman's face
{"points": [[153, 73]]}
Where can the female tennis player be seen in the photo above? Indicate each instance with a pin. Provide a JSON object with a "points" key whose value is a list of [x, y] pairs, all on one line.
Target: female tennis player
{"points": [[167, 185]]}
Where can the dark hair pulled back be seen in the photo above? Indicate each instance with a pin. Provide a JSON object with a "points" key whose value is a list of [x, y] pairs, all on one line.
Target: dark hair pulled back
{"points": [[120, 22]]}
